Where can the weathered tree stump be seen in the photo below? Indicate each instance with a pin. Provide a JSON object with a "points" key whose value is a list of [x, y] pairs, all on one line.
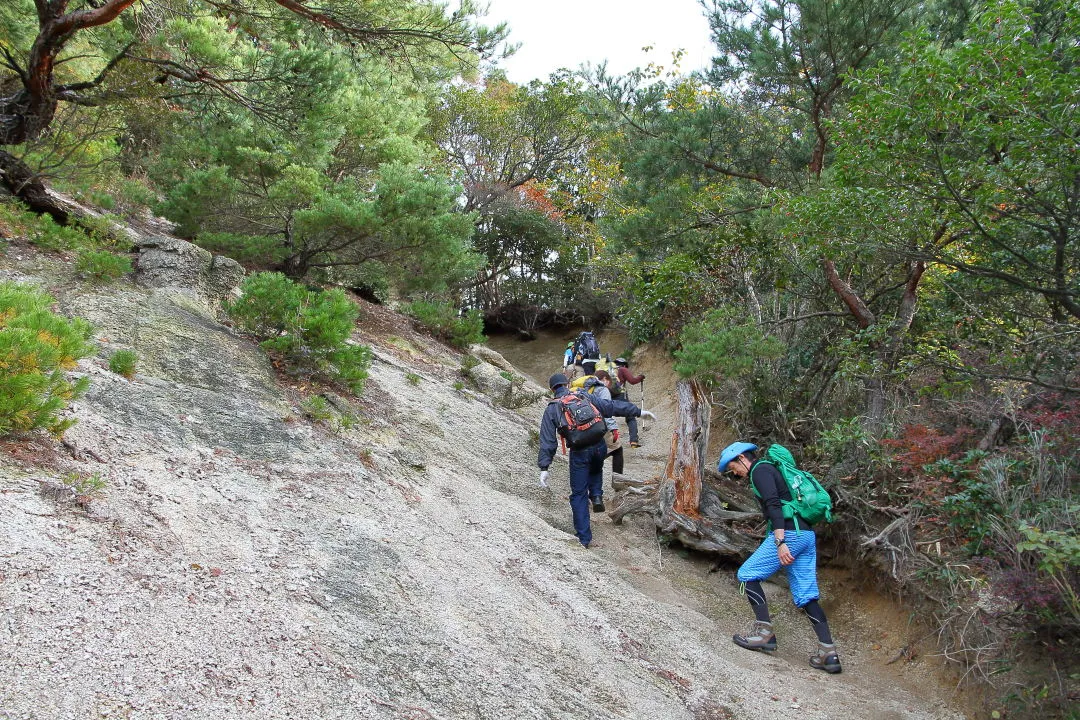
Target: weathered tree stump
{"points": [[685, 507]]}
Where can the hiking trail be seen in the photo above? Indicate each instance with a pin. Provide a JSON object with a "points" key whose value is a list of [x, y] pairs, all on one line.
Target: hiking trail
{"points": [[240, 558]]}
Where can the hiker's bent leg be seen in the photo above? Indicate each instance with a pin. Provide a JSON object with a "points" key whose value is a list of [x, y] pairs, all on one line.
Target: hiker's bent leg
{"points": [[761, 564], [802, 579], [757, 567], [755, 595], [818, 621], [631, 426], [579, 495], [617, 460]]}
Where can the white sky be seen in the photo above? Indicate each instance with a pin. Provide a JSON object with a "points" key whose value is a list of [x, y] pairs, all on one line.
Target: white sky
{"points": [[567, 33]]}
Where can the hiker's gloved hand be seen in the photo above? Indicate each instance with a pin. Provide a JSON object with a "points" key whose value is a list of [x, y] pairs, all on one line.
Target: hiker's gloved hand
{"points": [[647, 414], [614, 436], [543, 478]]}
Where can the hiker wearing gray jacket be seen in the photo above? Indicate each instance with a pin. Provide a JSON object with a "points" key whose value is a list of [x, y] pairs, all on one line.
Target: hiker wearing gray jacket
{"points": [[601, 388]]}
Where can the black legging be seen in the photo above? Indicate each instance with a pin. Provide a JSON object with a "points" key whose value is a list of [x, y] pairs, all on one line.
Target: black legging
{"points": [[756, 596], [616, 460]]}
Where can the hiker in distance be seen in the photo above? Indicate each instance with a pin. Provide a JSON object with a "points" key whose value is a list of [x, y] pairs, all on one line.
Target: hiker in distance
{"points": [[578, 418], [568, 358], [622, 381], [587, 352], [792, 545]]}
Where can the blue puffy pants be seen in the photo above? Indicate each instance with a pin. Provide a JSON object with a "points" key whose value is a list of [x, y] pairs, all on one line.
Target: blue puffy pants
{"points": [[801, 574], [586, 484]]}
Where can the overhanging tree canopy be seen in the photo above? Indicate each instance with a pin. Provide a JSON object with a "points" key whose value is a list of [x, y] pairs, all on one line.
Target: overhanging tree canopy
{"points": [[69, 51]]}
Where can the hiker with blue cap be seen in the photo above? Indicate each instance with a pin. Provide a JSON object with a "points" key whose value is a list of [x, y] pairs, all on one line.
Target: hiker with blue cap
{"points": [[792, 545]]}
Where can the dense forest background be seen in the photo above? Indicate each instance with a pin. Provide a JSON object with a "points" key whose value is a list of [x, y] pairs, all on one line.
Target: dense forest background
{"points": [[858, 228]]}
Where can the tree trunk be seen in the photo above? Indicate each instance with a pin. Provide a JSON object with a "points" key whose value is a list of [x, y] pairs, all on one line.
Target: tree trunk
{"points": [[687, 458], [685, 508], [23, 183], [886, 351]]}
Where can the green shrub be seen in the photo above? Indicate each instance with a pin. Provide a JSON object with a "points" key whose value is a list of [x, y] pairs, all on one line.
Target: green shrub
{"points": [[343, 422], [659, 299], [36, 347], [845, 438], [15, 219], [43, 231], [103, 230], [101, 198], [317, 407], [123, 362], [719, 347], [468, 364], [84, 484], [515, 396], [1056, 555], [103, 265], [413, 378], [309, 329], [49, 234], [133, 192], [446, 323]]}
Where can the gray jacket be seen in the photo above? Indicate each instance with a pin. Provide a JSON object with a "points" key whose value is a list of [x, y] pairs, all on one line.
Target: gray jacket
{"points": [[599, 390]]}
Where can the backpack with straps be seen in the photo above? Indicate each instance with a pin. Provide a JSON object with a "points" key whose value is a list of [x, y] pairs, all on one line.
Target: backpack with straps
{"points": [[809, 500], [578, 421], [587, 347]]}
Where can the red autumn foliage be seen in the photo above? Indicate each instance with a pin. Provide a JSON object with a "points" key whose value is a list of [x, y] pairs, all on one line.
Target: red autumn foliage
{"points": [[1058, 415], [919, 445], [535, 196]]}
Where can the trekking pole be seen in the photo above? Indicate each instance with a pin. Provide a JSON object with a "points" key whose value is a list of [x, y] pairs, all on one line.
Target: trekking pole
{"points": [[643, 402]]}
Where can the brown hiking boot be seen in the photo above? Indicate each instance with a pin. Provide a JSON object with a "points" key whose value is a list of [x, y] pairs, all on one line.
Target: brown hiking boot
{"points": [[758, 637], [826, 659]]}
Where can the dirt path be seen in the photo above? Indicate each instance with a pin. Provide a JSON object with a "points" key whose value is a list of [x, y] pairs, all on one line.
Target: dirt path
{"points": [[881, 650]]}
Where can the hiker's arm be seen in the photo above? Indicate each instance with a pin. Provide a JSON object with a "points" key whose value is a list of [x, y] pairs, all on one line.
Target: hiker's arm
{"points": [[548, 441], [619, 408], [602, 393], [767, 480], [626, 377]]}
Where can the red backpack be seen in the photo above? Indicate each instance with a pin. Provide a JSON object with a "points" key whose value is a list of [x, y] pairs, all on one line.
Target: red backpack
{"points": [[578, 421]]}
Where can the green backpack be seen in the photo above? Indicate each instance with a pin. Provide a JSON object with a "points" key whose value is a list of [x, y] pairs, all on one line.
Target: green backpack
{"points": [[810, 501]]}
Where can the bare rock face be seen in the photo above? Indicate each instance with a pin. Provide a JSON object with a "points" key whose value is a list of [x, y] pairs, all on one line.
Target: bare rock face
{"points": [[491, 357], [510, 388], [171, 262]]}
